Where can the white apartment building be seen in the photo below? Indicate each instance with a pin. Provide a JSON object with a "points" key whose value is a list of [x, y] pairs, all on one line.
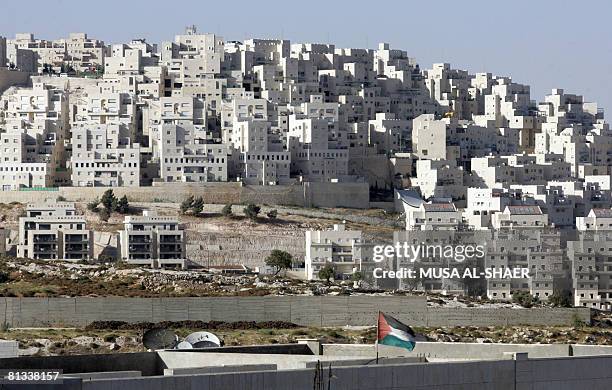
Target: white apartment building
{"points": [[518, 217], [83, 54], [318, 149], [153, 240], [432, 216], [187, 156], [54, 232], [33, 137], [258, 156], [104, 156], [344, 250], [440, 179]]}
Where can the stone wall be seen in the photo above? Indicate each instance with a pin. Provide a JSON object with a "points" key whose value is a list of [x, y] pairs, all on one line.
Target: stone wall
{"points": [[350, 195], [303, 310]]}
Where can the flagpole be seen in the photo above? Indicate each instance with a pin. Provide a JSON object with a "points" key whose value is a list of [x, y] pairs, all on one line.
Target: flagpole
{"points": [[376, 342]]}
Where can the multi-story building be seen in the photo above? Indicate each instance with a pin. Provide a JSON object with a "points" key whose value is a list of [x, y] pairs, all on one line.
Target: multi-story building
{"points": [[344, 250], [187, 156], [54, 232], [153, 240], [104, 156]]}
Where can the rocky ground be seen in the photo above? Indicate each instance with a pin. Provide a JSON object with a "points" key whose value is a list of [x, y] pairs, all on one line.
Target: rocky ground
{"points": [[115, 336]]}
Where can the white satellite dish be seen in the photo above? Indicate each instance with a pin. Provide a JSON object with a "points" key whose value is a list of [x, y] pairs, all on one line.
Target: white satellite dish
{"points": [[184, 345], [203, 340]]}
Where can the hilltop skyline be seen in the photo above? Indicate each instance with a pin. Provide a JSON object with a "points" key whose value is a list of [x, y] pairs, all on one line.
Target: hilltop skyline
{"points": [[474, 39]]}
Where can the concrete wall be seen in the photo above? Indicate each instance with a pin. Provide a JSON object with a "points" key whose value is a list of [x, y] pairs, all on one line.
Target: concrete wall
{"points": [[351, 195], [434, 350], [303, 310], [9, 78], [148, 363], [571, 373], [585, 372], [498, 375]]}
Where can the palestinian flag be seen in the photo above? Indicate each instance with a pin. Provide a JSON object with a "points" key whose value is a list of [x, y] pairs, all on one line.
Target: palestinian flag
{"points": [[394, 333]]}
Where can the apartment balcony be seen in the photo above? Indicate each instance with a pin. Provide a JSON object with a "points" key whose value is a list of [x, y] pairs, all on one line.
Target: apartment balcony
{"points": [[77, 248], [45, 239], [170, 239], [139, 239], [144, 248]]}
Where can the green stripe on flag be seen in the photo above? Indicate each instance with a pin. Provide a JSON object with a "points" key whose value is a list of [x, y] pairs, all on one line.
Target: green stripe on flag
{"points": [[396, 342]]}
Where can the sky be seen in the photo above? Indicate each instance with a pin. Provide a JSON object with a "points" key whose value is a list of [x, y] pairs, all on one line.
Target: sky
{"points": [[544, 43]]}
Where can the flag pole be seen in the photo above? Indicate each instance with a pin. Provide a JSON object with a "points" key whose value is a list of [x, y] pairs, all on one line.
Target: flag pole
{"points": [[376, 342]]}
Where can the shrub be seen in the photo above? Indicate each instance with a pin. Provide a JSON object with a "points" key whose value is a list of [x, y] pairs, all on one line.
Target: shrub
{"points": [[60, 199], [187, 204], [198, 205], [123, 206], [272, 214], [227, 210], [251, 211]]}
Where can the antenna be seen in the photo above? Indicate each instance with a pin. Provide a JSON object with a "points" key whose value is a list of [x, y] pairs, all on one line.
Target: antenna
{"points": [[203, 340], [159, 338]]}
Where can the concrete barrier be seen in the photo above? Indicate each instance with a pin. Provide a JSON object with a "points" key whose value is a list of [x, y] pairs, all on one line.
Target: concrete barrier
{"points": [[302, 310], [460, 351]]}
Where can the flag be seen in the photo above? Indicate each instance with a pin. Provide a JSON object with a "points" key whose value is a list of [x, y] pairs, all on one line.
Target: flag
{"points": [[394, 333]]}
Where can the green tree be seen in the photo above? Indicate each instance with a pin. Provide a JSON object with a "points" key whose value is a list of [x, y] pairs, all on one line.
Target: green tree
{"points": [[198, 205], [251, 211], [279, 260], [561, 299], [357, 276], [104, 214], [108, 200], [227, 210], [326, 273], [272, 214], [187, 204], [93, 205], [123, 206]]}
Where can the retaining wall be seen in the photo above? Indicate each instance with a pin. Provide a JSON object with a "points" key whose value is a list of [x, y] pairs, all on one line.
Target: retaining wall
{"points": [[303, 310], [351, 195]]}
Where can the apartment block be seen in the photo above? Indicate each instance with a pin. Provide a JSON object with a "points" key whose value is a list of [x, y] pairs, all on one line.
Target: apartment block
{"points": [[54, 232], [153, 240], [344, 250]]}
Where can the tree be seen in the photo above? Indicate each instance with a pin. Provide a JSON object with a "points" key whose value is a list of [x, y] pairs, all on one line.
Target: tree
{"points": [[104, 214], [108, 199], [93, 205], [272, 214], [326, 273], [198, 205], [561, 298], [187, 204], [226, 211], [357, 276], [123, 206], [279, 260], [251, 211]]}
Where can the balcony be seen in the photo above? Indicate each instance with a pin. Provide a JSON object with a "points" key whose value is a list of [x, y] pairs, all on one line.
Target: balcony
{"points": [[139, 240]]}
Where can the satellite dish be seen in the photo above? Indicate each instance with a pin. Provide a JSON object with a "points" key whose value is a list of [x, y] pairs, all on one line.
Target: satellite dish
{"points": [[203, 340], [184, 345], [159, 338]]}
